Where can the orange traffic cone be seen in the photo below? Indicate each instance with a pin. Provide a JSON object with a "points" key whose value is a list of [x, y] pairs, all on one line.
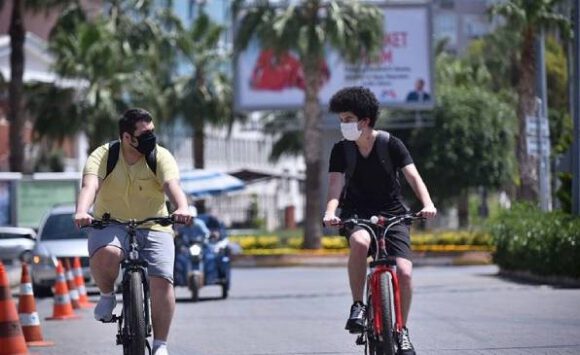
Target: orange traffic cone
{"points": [[70, 283], [80, 283], [11, 338], [62, 307], [27, 312]]}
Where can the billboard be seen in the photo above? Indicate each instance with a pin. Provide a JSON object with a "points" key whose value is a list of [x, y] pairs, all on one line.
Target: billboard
{"points": [[402, 77]]}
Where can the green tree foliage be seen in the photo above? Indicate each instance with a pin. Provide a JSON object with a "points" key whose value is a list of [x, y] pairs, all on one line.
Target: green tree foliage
{"points": [[205, 93], [528, 18], [471, 142]]}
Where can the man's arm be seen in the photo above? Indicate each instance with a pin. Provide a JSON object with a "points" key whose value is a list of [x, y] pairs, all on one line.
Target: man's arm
{"points": [[414, 179], [335, 185], [90, 186], [177, 197]]}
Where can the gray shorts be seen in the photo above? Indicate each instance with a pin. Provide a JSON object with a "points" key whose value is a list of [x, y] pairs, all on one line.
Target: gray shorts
{"points": [[155, 247]]}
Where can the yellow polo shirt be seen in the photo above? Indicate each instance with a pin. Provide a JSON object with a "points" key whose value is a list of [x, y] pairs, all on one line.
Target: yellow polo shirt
{"points": [[132, 191]]}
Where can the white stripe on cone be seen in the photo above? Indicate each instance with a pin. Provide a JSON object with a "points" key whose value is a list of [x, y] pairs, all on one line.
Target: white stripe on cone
{"points": [[26, 289], [74, 294], [29, 319], [61, 299]]}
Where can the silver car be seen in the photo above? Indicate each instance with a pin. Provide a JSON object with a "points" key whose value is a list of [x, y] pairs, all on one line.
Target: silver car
{"points": [[16, 243], [58, 238]]}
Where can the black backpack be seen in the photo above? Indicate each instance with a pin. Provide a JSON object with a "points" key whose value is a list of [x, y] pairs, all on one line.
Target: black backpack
{"points": [[113, 157], [350, 153]]}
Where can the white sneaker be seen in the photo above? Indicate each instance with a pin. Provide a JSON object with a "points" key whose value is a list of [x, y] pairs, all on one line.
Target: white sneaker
{"points": [[104, 309], [162, 350]]}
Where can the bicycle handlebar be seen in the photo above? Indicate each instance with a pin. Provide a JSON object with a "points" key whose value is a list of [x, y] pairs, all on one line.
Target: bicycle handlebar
{"points": [[383, 221], [107, 220]]}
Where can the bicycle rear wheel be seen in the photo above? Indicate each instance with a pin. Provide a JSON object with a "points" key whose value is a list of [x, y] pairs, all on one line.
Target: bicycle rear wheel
{"points": [[383, 343], [134, 314]]}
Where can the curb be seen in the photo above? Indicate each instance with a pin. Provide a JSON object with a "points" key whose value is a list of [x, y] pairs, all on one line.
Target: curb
{"points": [[336, 260], [528, 277]]}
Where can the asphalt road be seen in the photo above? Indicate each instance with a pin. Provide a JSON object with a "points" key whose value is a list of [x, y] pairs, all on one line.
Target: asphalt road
{"points": [[456, 310]]}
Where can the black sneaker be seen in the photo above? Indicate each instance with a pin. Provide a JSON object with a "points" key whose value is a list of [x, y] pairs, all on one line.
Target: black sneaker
{"points": [[405, 346], [356, 320]]}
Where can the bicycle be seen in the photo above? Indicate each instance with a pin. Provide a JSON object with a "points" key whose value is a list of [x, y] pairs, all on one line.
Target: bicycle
{"points": [[384, 320], [134, 323]]}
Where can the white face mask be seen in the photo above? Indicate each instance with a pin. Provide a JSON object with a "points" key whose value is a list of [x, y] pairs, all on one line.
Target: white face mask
{"points": [[350, 131]]}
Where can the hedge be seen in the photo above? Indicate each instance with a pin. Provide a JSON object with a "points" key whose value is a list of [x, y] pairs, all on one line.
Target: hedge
{"points": [[419, 240], [545, 244]]}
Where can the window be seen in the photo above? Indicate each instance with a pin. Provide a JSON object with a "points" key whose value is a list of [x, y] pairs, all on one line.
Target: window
{"points": [[61, 226]]}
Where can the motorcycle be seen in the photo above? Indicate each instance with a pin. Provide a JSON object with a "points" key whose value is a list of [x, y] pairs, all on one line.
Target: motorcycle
{"points": [[203, 261]]}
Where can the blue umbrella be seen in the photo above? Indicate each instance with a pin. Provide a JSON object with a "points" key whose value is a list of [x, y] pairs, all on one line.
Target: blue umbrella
{"points": [[203, 183]]}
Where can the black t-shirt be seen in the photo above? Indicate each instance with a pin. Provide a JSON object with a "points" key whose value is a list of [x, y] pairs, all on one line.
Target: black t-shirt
{"points": [[371, 189]]}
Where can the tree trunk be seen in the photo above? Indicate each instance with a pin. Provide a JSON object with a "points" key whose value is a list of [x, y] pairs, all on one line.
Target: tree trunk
{"points": [[463, 209], [313, 156], [198, 145], [528, 188], [198, 124], [17, 38]]}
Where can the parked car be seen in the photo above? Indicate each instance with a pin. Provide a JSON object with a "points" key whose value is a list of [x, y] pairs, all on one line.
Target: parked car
{"points": [[16, 243], [58, 237]]}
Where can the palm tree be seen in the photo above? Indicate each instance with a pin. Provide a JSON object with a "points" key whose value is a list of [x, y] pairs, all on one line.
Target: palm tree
{"points": [[206, 93], [17, 33], [354, 29], [528, 18]]}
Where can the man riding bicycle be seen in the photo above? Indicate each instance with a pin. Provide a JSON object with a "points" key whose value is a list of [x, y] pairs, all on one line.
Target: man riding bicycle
{"points": [[363, 181], [129, 179]]}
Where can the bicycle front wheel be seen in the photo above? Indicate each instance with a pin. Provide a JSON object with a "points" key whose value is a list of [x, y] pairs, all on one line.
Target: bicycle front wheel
{"points": [[388, 339], [134, 314], [381, 342]]}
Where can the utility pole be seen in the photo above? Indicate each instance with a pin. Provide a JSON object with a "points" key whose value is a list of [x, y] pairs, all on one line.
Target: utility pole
{"points": [[542, 130], [576, 101]]}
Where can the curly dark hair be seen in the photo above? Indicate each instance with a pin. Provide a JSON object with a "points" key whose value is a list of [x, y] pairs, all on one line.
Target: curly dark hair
{"points": [[358, 100]]}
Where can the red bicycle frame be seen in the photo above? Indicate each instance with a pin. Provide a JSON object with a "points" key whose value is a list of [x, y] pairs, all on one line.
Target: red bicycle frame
{"points": [[376, 291]]}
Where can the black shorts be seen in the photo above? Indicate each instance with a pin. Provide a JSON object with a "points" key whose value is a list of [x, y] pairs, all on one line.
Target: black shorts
{"points": [[398, 237]]}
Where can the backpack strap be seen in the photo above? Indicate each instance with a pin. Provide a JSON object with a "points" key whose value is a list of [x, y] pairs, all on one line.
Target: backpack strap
{"points": [[151, 160], [113, 157], [350, 151], [383, 139]]}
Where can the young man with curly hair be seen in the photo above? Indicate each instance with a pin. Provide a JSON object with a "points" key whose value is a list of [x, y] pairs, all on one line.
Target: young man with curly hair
{"points": [[372, 189]]}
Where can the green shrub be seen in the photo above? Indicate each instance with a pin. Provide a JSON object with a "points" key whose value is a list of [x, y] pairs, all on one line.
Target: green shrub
{"points": [[527, 239]]}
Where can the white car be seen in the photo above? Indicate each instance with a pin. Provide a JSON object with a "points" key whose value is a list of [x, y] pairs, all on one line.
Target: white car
{"points": [[16, 243], [58, 238]]}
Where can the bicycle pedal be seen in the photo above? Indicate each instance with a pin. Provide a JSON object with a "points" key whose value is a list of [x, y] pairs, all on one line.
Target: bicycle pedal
{"points": [[360, 340], [112, 320]]}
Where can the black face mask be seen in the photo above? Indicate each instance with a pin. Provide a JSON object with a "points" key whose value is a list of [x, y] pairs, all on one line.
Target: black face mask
{"points": [[147, 142]]}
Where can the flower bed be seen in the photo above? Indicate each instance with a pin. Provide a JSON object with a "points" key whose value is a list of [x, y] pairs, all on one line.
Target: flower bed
{"points": [[448, 241]]}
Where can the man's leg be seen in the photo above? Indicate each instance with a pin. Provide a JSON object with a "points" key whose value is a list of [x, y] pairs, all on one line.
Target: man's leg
{"points": [[357, 266], [162, 306], [404, 271], [104, 266], [357, 263]]}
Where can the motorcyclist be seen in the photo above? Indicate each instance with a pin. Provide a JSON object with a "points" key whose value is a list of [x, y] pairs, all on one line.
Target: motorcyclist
{"points": [[186, 236]]}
